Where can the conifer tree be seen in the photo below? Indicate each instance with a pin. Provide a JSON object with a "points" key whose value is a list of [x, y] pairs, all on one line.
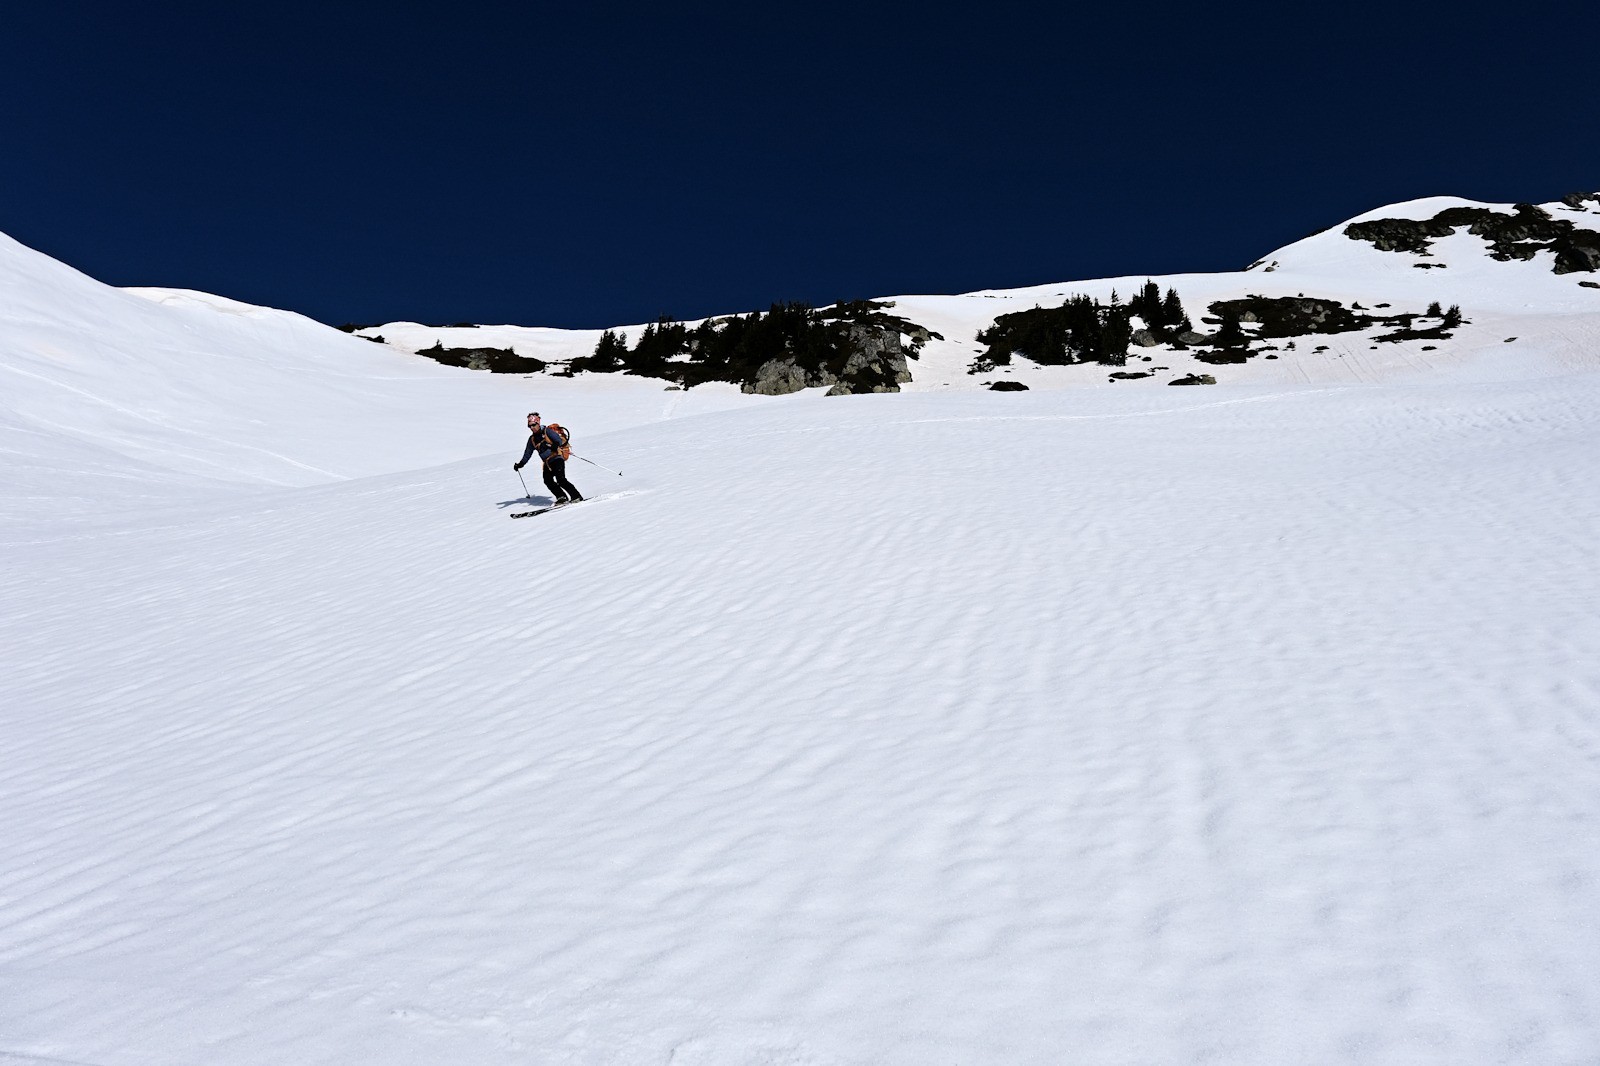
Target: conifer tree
{"points": [[611, 352], [1230, 334], [1115, 335], [1146, 303], [1172, 315]]}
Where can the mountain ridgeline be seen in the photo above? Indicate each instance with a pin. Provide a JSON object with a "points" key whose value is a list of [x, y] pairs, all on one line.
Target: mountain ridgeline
{"points": [[862, 347]]}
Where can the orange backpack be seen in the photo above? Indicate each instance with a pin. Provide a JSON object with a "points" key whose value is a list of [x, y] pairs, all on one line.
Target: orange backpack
{"points": [[565, 451]]}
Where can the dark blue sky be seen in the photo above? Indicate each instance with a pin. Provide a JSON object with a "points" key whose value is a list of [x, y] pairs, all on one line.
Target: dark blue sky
{"points": [[594, 164]]}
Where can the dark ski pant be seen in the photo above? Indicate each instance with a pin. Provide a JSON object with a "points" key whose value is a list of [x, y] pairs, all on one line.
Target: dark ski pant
{"points": [[555, 479]]}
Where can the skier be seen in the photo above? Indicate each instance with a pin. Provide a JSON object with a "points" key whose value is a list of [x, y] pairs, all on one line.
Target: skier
{"points": [[549, 442]]}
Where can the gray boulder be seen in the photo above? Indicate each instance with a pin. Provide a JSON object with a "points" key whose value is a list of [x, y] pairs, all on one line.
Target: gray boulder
{"points": [[1144, 338], [779, 377]]}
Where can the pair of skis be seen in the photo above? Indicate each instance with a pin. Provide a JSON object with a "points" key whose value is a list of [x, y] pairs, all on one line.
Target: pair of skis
{"points": [[566, 503], [547, 510], [574, 503]]}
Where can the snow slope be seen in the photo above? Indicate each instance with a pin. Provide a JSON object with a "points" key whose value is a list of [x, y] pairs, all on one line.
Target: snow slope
{"points": [[108, 392], [1257, 723]]}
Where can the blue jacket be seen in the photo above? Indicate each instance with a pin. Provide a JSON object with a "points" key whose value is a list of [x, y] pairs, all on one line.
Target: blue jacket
{"points": [[547, 440]]}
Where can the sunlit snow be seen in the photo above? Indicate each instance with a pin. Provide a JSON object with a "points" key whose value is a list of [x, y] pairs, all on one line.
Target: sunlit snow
{"points": [[1250, 723]]}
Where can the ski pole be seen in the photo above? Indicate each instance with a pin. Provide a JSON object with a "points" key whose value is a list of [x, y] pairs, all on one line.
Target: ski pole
{"points": [[525, 491], [591, 462]]}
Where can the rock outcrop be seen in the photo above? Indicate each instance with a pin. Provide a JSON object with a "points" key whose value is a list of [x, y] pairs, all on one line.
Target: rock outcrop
{"points": [[876, 363], [494, 360], [1522, 234]]}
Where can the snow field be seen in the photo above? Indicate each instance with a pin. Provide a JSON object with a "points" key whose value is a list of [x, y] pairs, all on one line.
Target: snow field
{"points": [[1256, 723], [1241, 724]]}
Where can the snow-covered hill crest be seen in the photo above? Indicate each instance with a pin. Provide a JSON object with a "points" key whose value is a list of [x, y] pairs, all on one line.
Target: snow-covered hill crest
{"points": [[209, 389], [1519, 286], [115, 397]]}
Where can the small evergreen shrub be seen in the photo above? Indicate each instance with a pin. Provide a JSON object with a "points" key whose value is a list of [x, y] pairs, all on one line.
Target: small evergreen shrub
{"points": [[1082, 330]]}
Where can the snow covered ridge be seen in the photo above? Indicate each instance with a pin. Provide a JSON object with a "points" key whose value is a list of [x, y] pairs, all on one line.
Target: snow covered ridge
{"points": [[1521, 234], [114, 398], [203, 383], [1366, 300]]}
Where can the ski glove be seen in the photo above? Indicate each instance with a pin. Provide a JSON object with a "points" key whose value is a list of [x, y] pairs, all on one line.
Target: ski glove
{"points": [[516, 466]]}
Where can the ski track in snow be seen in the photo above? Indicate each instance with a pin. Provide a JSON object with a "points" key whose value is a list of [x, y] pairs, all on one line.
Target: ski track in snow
{"points": [[1058, 727]]}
